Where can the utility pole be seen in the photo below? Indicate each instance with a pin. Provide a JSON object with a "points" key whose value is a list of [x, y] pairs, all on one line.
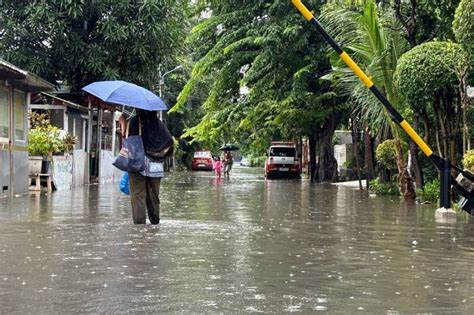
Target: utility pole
{"points": [[162, 82]]}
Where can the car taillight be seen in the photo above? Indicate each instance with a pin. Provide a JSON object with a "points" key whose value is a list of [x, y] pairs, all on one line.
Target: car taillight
{"points": [[271, 167]]}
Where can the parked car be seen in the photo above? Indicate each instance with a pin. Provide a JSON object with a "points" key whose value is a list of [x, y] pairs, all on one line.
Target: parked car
{"points": [[282, 160], [245, 162], [202, 160]]}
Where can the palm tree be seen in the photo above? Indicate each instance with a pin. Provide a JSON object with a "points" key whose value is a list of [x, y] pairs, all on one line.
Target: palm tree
{"points": [[369, 39]]}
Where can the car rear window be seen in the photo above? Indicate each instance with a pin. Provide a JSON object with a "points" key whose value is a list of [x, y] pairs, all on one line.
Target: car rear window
{"points": [[202, 154], [282, 151]]}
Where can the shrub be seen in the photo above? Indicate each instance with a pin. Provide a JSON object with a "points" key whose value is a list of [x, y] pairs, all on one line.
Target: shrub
{"points": [[430, 192], [383, 188], [468, 160], [386, 153], [351, 162], [428, 70], [462, 24], [45, 141], [257, 161]]}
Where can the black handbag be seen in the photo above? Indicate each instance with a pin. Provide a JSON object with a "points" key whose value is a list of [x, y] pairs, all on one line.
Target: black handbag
{"points": [[131, 157]]}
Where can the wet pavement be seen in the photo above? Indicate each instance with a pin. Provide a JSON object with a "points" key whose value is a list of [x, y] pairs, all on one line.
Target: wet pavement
{"points": [[238, 245]]}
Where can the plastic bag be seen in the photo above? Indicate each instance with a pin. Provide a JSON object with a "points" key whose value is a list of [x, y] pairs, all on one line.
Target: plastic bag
{"points": [[123, 185]]}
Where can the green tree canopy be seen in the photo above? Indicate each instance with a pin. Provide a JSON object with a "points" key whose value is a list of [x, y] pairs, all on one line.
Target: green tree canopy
{"points": [[423, 20], [264, 64], [81, 41], [427, 77], [429, 70], [254, 58], [463, 25]]}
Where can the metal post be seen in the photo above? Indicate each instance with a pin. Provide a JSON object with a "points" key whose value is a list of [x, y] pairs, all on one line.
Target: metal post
{"points": [[89, 141], [445, 186], [160, 89], [162, 82], [99, 141]]}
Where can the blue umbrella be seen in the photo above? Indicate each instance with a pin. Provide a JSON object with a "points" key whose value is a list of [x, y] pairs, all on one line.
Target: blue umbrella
{"points": [[125, 93]]}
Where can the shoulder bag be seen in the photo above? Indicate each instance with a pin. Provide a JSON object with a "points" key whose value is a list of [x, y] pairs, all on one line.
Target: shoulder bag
{"points": [[131, 157]]}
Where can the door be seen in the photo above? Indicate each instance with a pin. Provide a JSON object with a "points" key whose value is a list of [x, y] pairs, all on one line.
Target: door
{"points": [[5, 155], [19, 148]]}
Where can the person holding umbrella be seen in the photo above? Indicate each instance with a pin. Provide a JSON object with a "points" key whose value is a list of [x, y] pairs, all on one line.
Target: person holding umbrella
{"points": [[228, 159], [156, 138], [145, 186], [228, 162]]}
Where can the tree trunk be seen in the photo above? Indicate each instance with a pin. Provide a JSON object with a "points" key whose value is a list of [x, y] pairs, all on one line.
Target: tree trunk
{"points": [[312, 158], [327, 163], [369, 155], [355, 151], [409, 23], [439, 118], [404, 179], [426, 125], [466, 139], [414, 158]]}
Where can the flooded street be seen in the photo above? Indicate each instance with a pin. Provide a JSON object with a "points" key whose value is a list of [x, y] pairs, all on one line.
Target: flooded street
{"points": [[238, 245]]}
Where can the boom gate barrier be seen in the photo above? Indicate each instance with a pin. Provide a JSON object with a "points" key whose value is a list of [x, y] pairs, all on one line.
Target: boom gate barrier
{"points": [[464, 182]]}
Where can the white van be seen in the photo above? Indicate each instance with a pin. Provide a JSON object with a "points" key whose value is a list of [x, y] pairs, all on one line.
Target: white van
{"points": [[282, 160]]}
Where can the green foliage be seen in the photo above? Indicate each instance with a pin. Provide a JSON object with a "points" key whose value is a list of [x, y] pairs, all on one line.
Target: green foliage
{"points": [[386, 153], [429, 70], [81, 41], [432, 18], [45, 141], [463, 25], [468, 160], [38, 120], [69, 141], [430, 192], [268, 50], [383, 188], [258, 161], [367, 33], [351, 162]]}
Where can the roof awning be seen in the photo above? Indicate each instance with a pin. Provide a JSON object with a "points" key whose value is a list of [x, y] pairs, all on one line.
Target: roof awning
{"points": [[23, 79], [46, 100]]}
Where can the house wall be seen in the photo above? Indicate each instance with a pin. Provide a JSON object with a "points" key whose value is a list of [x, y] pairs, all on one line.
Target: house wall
{"points": [[5, 184], [20, 172], [79, 167], [62, 172], [13, 140], [108, 172]]}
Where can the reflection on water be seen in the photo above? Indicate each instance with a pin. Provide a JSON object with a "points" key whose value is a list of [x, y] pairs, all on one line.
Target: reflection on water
{"points": [[232, 245]]}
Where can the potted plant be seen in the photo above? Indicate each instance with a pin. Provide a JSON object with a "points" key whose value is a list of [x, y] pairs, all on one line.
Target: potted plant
{"points": [[44, 140], [69, 141]]}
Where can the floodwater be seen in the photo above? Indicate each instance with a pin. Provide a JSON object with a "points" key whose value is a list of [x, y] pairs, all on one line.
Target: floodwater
{"points": [[238, 245]]}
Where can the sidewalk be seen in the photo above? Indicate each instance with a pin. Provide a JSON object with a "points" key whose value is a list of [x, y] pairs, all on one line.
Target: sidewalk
{"points": [[351, 184]]}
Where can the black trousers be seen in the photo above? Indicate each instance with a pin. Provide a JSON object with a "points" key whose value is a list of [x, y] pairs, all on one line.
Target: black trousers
{"points": [[144, 195]]}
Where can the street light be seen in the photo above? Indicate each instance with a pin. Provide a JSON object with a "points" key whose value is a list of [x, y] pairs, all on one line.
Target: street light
{"points": [[162, 77], [162, 82]]}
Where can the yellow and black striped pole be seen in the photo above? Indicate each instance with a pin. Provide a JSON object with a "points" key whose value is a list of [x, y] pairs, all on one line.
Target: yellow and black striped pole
{"points": [[439, 162]]}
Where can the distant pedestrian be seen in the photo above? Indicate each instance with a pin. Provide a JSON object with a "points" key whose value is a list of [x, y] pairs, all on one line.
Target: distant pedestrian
{"points": [[217, 166], [228, 161]]}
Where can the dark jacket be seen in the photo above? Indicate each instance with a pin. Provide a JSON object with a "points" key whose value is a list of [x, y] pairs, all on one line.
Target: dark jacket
{"points": [[156, 137]]}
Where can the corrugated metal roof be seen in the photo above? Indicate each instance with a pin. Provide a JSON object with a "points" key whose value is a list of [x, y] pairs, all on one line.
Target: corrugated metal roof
{"points": [[25, 79]]}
